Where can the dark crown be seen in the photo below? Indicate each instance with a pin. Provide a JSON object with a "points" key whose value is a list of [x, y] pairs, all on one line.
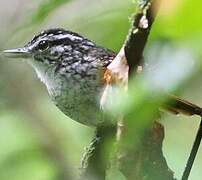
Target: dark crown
{"points": [[60, 36]]}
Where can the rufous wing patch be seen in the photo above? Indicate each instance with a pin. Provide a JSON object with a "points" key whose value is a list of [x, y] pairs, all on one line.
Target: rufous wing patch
{"points": [[115, 78]]}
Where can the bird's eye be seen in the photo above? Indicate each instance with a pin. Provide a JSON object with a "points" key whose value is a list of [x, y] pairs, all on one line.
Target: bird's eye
{"points": [[43, 45]]}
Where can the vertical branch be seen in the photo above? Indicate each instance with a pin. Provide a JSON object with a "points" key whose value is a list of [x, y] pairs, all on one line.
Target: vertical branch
{"points": [[138, 34], [140, 149]]}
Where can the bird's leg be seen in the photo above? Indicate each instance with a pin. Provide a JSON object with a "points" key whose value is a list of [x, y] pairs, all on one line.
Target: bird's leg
{"points": [[97, 156]]}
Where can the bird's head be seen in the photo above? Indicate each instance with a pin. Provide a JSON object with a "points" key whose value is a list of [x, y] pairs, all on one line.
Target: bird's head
{"points": [[52, 46]]}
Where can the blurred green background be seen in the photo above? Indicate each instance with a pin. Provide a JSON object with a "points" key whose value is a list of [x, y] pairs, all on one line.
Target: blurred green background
{"points": [[38, 142]]}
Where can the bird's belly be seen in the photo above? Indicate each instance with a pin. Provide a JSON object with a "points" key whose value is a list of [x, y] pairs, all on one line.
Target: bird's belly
{"points": [[80, 104], [84, 113]]}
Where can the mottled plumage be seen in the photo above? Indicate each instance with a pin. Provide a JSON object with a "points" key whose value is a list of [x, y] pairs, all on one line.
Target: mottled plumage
{"points": [[72, 68]]}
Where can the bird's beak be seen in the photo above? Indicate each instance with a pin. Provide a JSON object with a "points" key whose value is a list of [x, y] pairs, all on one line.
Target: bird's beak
{"points": [[17, 53]]}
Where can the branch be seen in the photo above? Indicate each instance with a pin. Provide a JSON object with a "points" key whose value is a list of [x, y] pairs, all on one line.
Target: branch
{"points": [[177, 105], [138, 35], [142, 157], [193, 153]]}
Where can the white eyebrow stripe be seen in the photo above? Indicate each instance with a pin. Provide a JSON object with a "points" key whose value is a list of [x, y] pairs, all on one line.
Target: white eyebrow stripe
{"points": [[61, 36], [69, 36]]}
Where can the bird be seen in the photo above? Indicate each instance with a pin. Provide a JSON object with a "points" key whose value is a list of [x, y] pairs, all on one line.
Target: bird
{"points": [[73, 68]]}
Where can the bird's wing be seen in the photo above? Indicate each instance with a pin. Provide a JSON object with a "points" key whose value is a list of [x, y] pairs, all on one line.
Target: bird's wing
{"points": [[115, 79]]}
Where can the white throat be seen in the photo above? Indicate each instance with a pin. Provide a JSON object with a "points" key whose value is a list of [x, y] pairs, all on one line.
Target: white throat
{"points": [[47, 75]]}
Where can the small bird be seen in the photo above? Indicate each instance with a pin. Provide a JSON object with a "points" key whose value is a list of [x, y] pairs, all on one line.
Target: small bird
{"points": [[72, 68]]}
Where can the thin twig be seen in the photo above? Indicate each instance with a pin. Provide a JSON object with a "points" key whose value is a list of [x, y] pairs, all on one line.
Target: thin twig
{"points": [[177, 105], [193, 153]]}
